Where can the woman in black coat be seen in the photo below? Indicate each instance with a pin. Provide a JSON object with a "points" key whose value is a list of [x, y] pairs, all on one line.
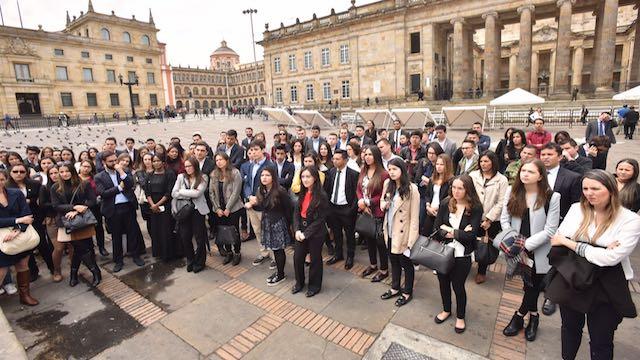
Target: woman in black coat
{"points": [[309, 225], [436, 190]]}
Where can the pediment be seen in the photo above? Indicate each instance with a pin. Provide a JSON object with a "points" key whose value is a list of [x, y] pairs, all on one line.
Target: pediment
{"points": [[18, 46]]}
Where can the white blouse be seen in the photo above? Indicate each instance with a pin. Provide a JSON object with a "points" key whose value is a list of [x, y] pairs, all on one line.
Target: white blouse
{"points": [[625, 229], [458, 248], [435, 200]]}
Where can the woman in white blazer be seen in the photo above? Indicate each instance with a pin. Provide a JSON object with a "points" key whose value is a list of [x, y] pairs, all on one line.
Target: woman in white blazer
{"points": [[532, 209]]}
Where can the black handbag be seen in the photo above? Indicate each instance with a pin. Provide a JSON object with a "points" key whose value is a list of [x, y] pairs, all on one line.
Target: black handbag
{"points": [[366, 226], [433, 254], [485, 253], [81, 220], [185, 207], [227, 235]]}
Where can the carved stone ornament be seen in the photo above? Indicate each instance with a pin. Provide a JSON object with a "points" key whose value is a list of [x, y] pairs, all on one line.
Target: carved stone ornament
{"points": [[545, 34], [17, 46]]}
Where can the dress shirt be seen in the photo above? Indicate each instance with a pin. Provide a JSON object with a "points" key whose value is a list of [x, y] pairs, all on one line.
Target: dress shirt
{"points": [[120, 198], [227, 150], [131, 154], [201, 163], [254, 169], [280, 166], [552, 175], [315, 142], [467, 164], [341, 179]]}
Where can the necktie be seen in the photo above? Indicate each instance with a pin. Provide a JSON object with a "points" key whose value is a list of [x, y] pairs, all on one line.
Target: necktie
{"points": [[335, 192], [601, 128]]}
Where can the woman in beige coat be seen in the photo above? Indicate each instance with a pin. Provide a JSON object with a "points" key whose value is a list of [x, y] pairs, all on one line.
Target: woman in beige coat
{"points": [[401, 224]]}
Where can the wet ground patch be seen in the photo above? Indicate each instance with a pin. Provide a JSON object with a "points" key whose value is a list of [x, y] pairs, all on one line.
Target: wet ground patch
{"points": [[152, 279]]}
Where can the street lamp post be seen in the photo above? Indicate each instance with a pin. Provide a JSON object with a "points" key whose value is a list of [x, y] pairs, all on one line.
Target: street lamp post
{"points": [[253, 42], [129, 84]]}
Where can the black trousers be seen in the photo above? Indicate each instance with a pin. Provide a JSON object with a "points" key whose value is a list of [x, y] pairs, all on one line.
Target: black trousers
{"points": [[455, 278], [45, 249], [123, 222], [341, 218], [99, 226], [629, 129], [377, 246], [194, 227], [233, 219], [280, 259], [531, 294], [80, 249], [400, 262], [313, 246], [602, 322]]}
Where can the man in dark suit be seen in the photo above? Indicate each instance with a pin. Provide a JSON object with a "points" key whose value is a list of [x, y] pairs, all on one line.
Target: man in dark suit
{"points": [[206, 167], [361, 137], [286, 169], [313, 142], [572, 160], [630, 122], [232, 149], [115, 187], [249, 137], [110, 146], [32, 158], [394, 136], [340, 185], [413, 153], [601, 127], [131, 149]]}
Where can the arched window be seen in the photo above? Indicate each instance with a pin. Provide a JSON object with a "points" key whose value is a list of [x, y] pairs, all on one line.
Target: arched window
{"points": [[187, 90], [145, 40], [105, 34], [179, 104], [255, 88], [126, 37], [195, 91], [220, 104], [261, 87], [205, 104], [255, 101], [197, 104], [219, 91], [178, 91], [250, 101], [212, 91], [261, 101], [244, 90], [233, 91], [244, 102], [203, 91]]}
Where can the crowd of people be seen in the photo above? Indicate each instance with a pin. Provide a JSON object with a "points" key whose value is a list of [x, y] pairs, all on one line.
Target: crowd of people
{"points": [[378, 188]]}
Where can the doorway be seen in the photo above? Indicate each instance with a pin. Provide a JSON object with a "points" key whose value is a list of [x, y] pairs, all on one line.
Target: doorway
{"points": [[28, 104]]}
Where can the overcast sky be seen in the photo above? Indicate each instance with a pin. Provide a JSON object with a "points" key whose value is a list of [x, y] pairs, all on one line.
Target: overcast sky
{"points": [[192, 29]]}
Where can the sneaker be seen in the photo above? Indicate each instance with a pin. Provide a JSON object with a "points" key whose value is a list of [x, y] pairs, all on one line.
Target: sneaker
{"points": [[272, 265], [259, 260], [274, 280], [10, 289]]}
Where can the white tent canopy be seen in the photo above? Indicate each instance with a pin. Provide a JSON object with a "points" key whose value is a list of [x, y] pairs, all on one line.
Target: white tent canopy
{"points": [[464, 116], [280, 116], [311, 118], [517, 96], [381, 118], [413, 118], [631, 94]]}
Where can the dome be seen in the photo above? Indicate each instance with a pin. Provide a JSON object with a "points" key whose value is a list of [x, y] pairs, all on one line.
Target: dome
{"points": [[224, 50]]}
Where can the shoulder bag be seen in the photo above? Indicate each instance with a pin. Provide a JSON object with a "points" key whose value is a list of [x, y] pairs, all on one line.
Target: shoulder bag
{"points": [[366, 226], [81, 220], [485, 253], [25, 241], [184, 207], [433, 254], [227, 235]]}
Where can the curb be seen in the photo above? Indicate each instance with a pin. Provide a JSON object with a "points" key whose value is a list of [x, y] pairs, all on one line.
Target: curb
{"points": [[10, 347]]}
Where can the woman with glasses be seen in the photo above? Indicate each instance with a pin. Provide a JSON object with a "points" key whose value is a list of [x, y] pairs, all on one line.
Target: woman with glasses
{"points": [[280, 138], [158, 187]]}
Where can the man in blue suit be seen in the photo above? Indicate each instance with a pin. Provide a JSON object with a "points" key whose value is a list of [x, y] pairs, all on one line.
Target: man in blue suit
{"points": [[285, 168]]}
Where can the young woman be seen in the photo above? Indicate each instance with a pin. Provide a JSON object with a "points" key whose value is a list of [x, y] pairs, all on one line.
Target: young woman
{"points": [[326, 157], [93, 154], [174, 160], [423, 173], [125, 161], [501, 148], [436, 190], [532, 209], [604, 233], [225, 190], [160, 150], [490, 186], [14, 212], [47, 151], [369, 192], [71, 197], [191, 185], [401, 202], [458, 221], [50, 223], [310, 159], [561, 136], [67, 155], [82, 156], [275, 204], [145, 169], [309, 225], [517, 142], [86, 173], [13, 158], [353, 151], [627, 183], [370, 131], [158, 188], [297, 154]]}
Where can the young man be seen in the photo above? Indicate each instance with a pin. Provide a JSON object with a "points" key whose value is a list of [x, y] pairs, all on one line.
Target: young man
{"points": [[447, 145], [485, 141], [301, 134], [387, 154], [248, 132], [539, 137], [232, 149], [130, 149], [469, 161], [32, 157], [395, 136], [109, 146], [332, 140], [601, 127], [313, 142], [630, 122], [151, 146], [361, 137], [413, 153], [286, 169], [528, 152], [572, 160]]}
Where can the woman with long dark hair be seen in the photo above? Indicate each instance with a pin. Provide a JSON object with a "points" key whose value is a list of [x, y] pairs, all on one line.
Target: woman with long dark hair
{"points": [[67, 155], [501, 148], [401, 203], [627, 181], [325, 157], [50, 223], [353, 151], [369, 192], [436, 190], [458, 221], [309, 225], [71, 197], [532, 209], [517, 142], [86, 173], [371, 131], [296, 156], [600, 231], [423, 173], [174, 159]]}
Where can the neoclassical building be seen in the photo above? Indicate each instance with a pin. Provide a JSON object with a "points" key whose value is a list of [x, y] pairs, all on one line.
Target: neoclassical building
{"points": [[76, 70], [390, 49], [226, 83]]}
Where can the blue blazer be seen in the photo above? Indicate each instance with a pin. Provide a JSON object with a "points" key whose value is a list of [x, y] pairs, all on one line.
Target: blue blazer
{"points": [[286, 176], [16, 207], [245, 171]]}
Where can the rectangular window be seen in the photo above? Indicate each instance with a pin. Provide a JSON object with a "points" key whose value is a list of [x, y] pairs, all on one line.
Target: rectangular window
{"points": [[326, 91], [415, 83], [85, 54], [415, 42], [276, 65], [61, 73], [294, 94], [148, 61], [346, 89], [279, 95], [136, 99], [308, 60], [292, 62], [131, 76], [87, 74], [151, 78], [108, 57], [325, 56], [310, 94], [92, 99], [66, 99], [22, 72], [130, 58], [153, 99], [58, 52], [111, 76], [115, 99], [344, 54]]}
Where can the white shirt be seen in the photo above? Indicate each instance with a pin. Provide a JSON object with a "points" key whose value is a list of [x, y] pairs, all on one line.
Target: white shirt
{"points": [[385, 162], [353, 165], [458, 248], [131, 154], [552, 175], [341, 175], [435, 200], [280, 166], [201, 163]]}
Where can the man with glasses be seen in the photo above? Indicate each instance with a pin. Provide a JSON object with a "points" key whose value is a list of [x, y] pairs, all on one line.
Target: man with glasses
{"points": [[469, 160]]}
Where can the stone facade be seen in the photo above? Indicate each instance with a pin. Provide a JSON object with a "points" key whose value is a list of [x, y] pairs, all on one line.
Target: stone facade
{"points": [[76, 70], [447, 47]]}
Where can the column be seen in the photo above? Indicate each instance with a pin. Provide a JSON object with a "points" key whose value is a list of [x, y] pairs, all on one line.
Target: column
{"points": [[459, 57], [513, 67], [492, 44], [576, 67], [428, 67], [534, 72], [634, 77], [469, 60], [524, 53], [563, 49], [552, 71], [604, 59]]}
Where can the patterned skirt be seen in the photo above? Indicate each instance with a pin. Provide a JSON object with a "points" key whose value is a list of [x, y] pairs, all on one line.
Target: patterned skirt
{"points": [[275, 233]]}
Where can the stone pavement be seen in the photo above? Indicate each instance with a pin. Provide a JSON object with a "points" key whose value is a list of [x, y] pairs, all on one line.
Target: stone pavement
{"points": [[162, 312]]}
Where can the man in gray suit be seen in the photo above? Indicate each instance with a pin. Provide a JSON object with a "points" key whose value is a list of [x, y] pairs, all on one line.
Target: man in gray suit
{"points": [[447, 144], [600, 127], [313, 142]]}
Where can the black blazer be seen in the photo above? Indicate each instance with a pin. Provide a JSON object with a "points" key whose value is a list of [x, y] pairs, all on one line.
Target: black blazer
{"points": [[236, 157], [286, 176], [350, 186], [444, 191], [316, 218], [580, 165], [208, 166], [569, 187], [61, 203], [16, 207], [45, 201], [107, 191], [33, 194], [467, 238], [99, 164]]}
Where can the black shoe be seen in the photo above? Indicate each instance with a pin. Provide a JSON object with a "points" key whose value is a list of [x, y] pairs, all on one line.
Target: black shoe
{"points": [[274, 279], [296, 289], [311, 293], [138, 261], [370, 270], [380, 276], [190, 267], [118, 267], [331, 250], [227, 259], [549, 307], [223, 252], [459, 330], [197, 268], [389, 294], [403, 300], [89, 261], [73, 277], [348, 264], [440, 321], [532, 327], [334, 260], [103, 252], [515, 325], [236, 259]]}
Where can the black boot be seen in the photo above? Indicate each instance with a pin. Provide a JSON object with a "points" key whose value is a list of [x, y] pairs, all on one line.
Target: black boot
{"points": [[515, 325], [73, 277], [532, 328], [89, 261]]}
